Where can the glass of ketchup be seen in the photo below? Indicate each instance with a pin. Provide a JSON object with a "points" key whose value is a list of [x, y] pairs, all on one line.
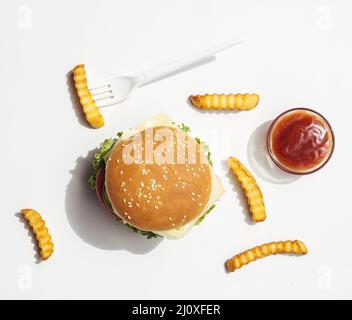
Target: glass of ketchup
{"points": [[300, 141]]}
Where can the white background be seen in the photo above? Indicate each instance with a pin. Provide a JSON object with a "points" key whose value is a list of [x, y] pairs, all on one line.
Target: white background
{"points": [[296, 53]]}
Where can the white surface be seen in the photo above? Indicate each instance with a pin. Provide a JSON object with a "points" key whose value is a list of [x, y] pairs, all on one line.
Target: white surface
{"points": [[297, 53]]}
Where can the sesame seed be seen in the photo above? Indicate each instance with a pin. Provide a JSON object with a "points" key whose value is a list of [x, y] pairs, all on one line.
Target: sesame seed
{"points": [[173, 224], [121, 172]]}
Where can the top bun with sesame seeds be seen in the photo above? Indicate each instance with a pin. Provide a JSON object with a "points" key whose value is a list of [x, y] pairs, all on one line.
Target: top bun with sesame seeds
{"points": [[158, 179]]}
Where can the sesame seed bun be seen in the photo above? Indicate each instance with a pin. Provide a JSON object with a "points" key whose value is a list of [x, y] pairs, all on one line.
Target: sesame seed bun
{"points": [[158, 179]]}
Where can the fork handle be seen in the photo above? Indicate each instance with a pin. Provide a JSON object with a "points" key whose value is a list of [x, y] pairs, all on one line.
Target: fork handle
{"points": [[183, 63]]}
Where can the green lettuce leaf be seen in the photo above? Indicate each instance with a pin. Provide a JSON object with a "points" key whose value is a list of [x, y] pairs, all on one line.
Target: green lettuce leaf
{"points": [[148, 234], [184, 128], [206, 149], [100, 158], [199, 221]]}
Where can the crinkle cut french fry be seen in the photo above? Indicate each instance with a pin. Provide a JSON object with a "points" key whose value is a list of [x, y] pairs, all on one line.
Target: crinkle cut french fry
{"points": [[251, 189], [225, 101], [295, 247], [41, 232], [91, 111]]}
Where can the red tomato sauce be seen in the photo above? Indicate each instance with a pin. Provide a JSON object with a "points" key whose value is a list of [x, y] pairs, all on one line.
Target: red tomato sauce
{"points": [[301, 140]]}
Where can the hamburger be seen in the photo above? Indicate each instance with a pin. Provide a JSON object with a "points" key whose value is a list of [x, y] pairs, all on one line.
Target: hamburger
{"points": [[156, 179]]}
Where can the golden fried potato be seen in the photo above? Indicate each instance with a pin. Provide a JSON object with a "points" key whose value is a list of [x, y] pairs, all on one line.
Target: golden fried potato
{"points": [[244, 258], [225, 101], [41, 232], [251, 189], [91, 111]]}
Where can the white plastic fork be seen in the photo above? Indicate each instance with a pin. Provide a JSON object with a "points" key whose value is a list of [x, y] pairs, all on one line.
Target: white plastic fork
{"points": [[118, 89]]}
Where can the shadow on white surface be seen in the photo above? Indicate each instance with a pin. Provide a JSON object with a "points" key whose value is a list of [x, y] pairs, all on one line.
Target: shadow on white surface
{"points": [[94, 224], [260, 161], [32, 236], [76, 105], [237, 189]]}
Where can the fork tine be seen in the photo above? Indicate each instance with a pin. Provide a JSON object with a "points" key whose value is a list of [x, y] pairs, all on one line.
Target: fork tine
{"points": [[104, 98], [107, 101], [100, 87], [109, 92]]}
